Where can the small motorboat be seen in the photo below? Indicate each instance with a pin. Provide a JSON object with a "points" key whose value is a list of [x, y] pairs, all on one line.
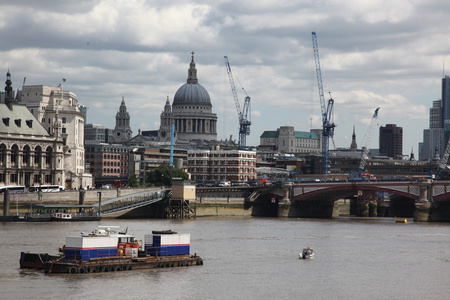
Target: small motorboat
{"points": [[306, 253]]}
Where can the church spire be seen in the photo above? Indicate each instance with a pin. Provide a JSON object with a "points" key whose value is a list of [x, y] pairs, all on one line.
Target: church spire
{"points": [[353, 146], [192, 72]]}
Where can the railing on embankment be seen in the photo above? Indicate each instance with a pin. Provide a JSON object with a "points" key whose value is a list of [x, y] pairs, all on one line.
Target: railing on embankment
{"points": [[126, 203]]}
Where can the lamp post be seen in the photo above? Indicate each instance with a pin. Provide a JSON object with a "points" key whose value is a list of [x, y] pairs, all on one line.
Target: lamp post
{"points": [[99, 202], [40, 188]]}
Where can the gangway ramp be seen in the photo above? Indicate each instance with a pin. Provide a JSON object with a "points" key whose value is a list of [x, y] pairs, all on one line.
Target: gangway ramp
{"points": [[113, 208]]}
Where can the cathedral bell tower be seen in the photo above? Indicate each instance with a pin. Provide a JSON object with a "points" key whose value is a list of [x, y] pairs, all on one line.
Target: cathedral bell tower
{"points": [[122, 132]]}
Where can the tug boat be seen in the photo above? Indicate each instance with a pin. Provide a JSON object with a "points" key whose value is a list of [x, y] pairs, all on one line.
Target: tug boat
{"points": [[106, 250], [307, 253]]}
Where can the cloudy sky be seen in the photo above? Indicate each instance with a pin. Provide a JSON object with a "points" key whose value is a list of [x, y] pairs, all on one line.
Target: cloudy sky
{"points": [[387, 54]]}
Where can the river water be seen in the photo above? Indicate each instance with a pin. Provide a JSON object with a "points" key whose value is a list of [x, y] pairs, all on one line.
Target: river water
{"points": [[249, 258]]}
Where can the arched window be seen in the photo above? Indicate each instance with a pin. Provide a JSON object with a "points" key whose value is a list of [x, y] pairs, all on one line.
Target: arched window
{"points": [[48, 157], [2, 154], [38, 156], [26, 156], [14, 156]]}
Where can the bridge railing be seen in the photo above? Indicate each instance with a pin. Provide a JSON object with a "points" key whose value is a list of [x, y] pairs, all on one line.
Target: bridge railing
{"points": [[132, 201]]}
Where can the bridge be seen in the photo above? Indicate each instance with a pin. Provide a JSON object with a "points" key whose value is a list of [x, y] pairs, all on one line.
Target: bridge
{"points": [[133, 205], [428, 200]]}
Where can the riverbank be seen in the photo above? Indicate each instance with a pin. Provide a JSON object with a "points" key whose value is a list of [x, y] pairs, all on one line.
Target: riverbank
{"points": [[205, 206]]}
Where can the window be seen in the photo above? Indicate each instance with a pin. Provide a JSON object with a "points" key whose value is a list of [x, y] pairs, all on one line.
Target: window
{"points": [[64, 120], [64, 130]]}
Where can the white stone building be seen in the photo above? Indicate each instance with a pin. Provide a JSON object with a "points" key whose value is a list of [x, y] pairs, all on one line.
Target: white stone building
{"points": [[286, 140], [50, 105], [29, 155]]}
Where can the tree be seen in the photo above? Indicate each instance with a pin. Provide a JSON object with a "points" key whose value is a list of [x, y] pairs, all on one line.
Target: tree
{"points": [[163, 175], [132, 181]]}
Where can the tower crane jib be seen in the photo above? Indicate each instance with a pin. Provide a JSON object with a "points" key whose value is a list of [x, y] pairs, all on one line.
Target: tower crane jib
{"points": [[364, 156], [244, 114], [327, 110]]}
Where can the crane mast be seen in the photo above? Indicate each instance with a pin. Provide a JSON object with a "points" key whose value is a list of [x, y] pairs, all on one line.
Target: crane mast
{"points": [[327, 110], [244, 114], [364, 156]]}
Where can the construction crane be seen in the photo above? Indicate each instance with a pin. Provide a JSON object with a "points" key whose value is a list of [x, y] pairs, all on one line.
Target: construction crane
{"points": [[442, 172], [364, 156], [244, 114], [327, 110]]}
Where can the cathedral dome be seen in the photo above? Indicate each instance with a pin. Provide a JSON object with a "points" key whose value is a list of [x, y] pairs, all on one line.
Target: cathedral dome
{"points": [[192, 92]]}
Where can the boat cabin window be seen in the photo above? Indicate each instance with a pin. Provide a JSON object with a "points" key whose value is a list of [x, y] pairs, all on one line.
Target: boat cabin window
{"points": [[126, 239]]}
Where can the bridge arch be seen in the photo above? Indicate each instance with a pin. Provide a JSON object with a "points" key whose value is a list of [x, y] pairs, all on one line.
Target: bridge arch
{"points": [[336, 192]]}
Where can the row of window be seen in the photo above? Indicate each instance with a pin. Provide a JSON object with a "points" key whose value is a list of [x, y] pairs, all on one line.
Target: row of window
{"points": [[110, 171], [221, 170], [228, 155], [63, 120], [14, 179], [26, 155], [223, 162], [18, 122], [109, 164]]}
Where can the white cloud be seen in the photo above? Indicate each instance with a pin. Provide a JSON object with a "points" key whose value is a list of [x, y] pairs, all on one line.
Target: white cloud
{"points": [[373, 53]]}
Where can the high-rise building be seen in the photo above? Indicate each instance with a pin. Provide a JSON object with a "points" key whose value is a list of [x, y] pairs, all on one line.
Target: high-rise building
{"points": [[391, 141], [435, 138], [436, 115], [433, 144], [445, 99]]}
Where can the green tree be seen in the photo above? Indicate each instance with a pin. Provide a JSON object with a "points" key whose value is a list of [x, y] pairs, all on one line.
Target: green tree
{"points": [[132, 181], [163, 175]]}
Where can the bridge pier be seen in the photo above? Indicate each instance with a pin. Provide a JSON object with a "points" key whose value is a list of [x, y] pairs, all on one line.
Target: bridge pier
{"points": [[366, 204], [284, 205], [423, 205]]}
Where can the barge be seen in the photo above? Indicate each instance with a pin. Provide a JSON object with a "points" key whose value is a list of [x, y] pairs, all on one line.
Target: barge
{"points": [[106, 250]]}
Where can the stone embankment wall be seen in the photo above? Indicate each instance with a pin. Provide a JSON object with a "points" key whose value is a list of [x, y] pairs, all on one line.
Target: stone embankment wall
{"points": [[205, 207], [223, 207]]}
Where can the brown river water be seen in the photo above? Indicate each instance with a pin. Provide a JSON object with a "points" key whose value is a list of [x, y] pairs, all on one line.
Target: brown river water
{"points": [[249, 258]]}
